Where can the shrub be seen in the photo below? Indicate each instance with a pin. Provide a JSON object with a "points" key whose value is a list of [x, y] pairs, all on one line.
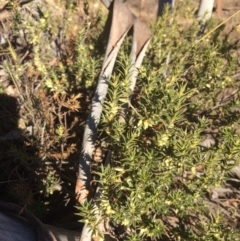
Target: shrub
{"points": [[169, 176], [179, 142]]}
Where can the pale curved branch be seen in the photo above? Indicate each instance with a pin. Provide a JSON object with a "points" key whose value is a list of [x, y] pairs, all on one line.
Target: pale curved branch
{"points": [[205, 10], [122, 21]]}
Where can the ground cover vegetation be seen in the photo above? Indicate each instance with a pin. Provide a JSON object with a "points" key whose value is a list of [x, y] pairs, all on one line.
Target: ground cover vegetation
{"points": [[174, 170]]}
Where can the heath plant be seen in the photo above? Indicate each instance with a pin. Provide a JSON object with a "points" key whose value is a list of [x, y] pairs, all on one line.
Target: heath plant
{"points": [[49, 64], [173, 171], [174, 153]]}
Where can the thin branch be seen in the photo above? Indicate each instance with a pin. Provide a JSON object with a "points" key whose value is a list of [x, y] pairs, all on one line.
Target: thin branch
{"points": [[122, 21]]}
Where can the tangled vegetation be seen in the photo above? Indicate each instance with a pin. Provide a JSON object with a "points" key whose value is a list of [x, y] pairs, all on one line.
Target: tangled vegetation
{"points": [[174, 168]]}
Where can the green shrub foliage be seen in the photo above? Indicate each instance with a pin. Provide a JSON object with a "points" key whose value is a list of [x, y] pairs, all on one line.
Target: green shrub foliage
{"points": [[179, 142], [171, 174]]}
